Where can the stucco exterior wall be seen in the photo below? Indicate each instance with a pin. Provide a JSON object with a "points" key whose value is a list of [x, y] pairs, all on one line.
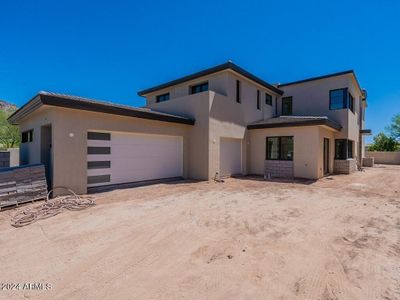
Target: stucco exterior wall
{"points": [[312, 99], [383, 157], [69, 135], [195, 106], [30, 152], [224, 83], [306, 162]]}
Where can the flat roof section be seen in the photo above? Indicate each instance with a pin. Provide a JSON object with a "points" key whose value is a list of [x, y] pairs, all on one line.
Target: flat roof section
{"points": [[295, 121]]}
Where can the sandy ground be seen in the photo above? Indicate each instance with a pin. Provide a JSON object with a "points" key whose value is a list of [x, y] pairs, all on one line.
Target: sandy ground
{"points": [[336, 238]]}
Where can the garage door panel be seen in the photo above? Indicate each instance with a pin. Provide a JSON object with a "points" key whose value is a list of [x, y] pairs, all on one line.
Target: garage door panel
{"points": [[139, 157]]}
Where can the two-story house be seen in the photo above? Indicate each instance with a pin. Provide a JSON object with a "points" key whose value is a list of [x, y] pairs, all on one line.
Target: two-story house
{"points": [[218, 122]]}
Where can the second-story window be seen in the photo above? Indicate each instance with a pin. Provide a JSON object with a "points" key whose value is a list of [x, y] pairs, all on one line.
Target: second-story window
{"points": [[198, 88], [238, 91], [162, 98], [258, 100], [338, 99], [351, 102], [268, 99], [287, 106]]}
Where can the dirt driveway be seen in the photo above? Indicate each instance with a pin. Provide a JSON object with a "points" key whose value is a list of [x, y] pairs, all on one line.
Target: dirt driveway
{"points": [[336, 238]]}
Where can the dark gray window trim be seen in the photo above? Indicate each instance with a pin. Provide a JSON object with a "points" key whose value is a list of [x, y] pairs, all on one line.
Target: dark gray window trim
{"points": [[280, 145], [29, 136], [98, 179], [345, 98], [106, 164], [98, 136], [351, 102], [162, 97], [98, 150], [347, 142], [238, 91], [201, 85], [268, 96]]}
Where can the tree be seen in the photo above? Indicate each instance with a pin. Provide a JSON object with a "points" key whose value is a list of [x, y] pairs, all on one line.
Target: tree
{"points": [[9, 134], [394, 128], [382, 142]]}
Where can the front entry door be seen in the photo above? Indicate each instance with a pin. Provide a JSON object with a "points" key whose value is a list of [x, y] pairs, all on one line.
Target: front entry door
{"points": [[326, 156]]}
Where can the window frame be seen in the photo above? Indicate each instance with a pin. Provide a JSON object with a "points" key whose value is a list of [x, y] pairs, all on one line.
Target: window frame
{"points": [[351, 102], [29, 136], [268, 96], [238, 91], [258, 100], [165, 95], [192, 88], [347, 151], [291, 106], [344, 100], [279, 147]]}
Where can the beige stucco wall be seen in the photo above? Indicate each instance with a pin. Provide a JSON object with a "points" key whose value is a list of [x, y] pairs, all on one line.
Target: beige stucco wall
{"points": [[308, 149], [312, 98], [224, 83], [30, 152], [69, 134], [383, 157]]}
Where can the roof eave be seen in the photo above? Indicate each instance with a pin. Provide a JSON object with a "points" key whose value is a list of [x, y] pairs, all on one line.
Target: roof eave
{"points": [[43, 99], [328, 123], [218, 68], [324, 77]]}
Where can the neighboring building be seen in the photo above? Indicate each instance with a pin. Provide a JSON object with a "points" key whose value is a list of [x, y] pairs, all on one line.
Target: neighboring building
{"points": [[221, 120]]}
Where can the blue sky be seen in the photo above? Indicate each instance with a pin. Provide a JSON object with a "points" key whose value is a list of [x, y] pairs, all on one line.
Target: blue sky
{"points": [[111, 49]]}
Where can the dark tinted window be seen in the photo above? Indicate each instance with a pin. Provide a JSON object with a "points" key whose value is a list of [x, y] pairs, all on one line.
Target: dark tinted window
{"points": [[258, 100], [27, 136], [351, 102], [338, 99], [238, 91], [273, 148], [268, 99], [343, 149], [287, 106], [349, 149], [163, 97], [202, 87], [279, 148], [286, 148]]}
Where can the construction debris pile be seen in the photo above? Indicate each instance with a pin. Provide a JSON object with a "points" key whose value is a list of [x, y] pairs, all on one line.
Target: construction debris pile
{"points": [[52, 207]]}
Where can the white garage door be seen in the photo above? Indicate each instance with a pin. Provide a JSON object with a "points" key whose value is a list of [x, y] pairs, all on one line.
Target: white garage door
{"points": [[230, 156], [115, 158]]}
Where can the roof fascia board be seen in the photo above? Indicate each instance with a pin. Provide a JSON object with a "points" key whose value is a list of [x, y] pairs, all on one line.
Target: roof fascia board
{"points": [[297, 124], [348, 72], [206, 72], [42, 99]]}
